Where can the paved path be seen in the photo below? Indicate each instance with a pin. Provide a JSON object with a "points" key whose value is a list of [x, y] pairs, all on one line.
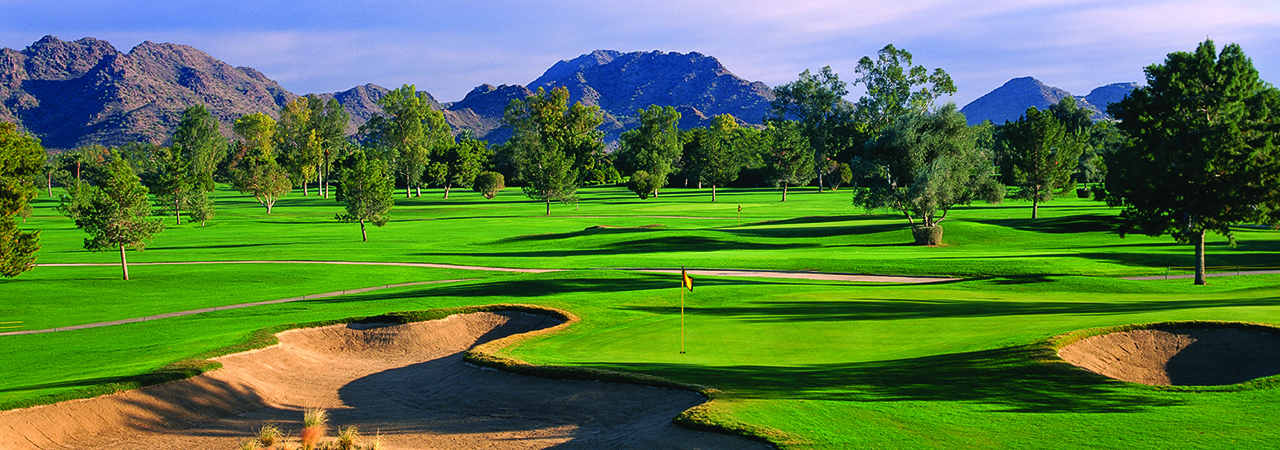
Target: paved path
{"points": [[1211, 274], [793, 274]]}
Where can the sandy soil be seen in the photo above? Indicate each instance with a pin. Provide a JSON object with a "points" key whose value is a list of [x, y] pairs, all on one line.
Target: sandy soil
{"points": [[407, 382], [1183, 357]]}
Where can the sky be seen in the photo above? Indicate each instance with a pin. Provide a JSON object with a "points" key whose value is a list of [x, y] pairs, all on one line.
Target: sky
{"points": [[448, 48]]}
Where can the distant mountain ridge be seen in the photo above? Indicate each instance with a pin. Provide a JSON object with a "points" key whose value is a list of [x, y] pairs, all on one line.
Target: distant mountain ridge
{"points": [[75, 93], [86, 92], [1011, 100]]}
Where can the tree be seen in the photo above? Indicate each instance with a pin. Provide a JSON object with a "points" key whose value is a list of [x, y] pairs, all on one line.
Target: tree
{"points": [[843, 174], [260, 175], [1040, 155], [789, 159], [311, 131], [489, 184], [172, 181], [116, 212], [643, 184], [201, 144], [654, 146], [21, 159], [895, 88], [411, 129], [1202, 150], [816, 102], [367, 191], [460, 163], [922, 166], [716, 159], [552, 143]]}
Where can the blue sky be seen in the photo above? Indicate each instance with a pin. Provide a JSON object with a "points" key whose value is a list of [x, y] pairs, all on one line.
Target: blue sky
{"points": [[447, 48]]}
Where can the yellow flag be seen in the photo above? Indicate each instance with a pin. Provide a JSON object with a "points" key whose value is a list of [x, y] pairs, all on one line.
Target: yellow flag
{"points": [[688, 282]]}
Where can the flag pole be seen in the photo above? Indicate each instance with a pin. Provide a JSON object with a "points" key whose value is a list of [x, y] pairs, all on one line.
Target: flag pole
{"points": [[681, 310]]}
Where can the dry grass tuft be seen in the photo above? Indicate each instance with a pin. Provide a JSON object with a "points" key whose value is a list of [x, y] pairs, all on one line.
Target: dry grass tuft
{"points": [[347, 437], [269, 435]]}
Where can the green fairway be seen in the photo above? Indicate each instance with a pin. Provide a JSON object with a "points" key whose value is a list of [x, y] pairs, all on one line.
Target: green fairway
{"points": [[829, 364]]}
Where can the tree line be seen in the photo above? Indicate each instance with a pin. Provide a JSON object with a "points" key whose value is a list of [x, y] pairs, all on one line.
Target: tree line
{"points": [[1192, 151]]}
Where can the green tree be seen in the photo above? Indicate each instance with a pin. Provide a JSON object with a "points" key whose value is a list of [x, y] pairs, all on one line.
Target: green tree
{"points": [[115, 212], [489, 184], [816, 102], [643, 184], [259, 174], [1040, 155], [411, 129], [21, 159], [841, 175], [201, 144], [172, 181], [654, 146], [311, 131], [716, 159], [366, 188], [460, 163], [552, 143], [922, 166], [1201, 154], [895, 88], [789, 159]]}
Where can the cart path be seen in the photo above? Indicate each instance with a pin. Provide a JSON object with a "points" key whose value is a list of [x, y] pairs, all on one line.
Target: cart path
{"points": [[1210, 274], [737, 273]]}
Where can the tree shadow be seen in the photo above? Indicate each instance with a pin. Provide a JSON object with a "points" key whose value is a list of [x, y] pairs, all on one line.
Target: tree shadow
{"points": [[905, 308], [1021, 379], [664, 244], [1079, 223]]}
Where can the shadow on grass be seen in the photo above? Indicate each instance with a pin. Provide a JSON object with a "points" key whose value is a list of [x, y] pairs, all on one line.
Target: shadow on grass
{"points": [[1080, 223], [546, 288], [208, 247], [585, 232], [1023, 379], [664, 244], [895, 309]]}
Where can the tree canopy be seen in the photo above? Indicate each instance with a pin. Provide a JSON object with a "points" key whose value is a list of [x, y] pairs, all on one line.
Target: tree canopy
{"points": [[409, 130], [654, 146], [366, 189], [21, 158], [1040, 155], [926, 163], [1202, 150], [553, 143], [895, 88], [115, 212]]}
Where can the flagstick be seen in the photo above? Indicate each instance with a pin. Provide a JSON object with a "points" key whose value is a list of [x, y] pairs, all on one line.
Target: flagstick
{"points": [[682, 317]]}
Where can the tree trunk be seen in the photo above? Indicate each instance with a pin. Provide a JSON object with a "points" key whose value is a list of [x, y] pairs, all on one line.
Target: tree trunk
{"points": [[784, 192], [417, 191], [124, 265], [548, 206], [446, 191], [363, 236], [268, 205], [1200, 259], [713, 193], [304, 188], [1035, 207], [819, 181], [177, 213], [408, 187], [50, 181]]}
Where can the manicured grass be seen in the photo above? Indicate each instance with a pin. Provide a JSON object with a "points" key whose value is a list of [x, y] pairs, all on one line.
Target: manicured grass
{"points": [[830, 364]]}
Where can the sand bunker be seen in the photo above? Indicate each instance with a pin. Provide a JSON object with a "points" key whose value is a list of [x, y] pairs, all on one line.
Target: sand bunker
{"points": [[408, 382], [1180, 356]]}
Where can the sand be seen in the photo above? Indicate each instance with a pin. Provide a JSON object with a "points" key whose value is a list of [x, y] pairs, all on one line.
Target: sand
{"points": [[1179, 357], [407, 382]]}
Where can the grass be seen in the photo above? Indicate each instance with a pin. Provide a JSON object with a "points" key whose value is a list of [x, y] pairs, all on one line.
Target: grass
{"points": [[811, 364]]}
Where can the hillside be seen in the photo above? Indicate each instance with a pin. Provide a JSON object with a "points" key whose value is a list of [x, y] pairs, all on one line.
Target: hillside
{"points": [[1010, 101], [86, 92]]}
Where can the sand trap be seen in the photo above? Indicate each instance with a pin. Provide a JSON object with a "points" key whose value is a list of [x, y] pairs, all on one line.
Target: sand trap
{"points": [[407, 381], [1180, 357]]}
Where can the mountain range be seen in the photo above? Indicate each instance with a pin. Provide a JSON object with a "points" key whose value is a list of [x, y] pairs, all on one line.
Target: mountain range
{"points": [[1010, 101], [74, 93]]}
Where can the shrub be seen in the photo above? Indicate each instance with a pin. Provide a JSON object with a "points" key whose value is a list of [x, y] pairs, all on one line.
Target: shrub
{"points": [[643, 184], [489, 183]]}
